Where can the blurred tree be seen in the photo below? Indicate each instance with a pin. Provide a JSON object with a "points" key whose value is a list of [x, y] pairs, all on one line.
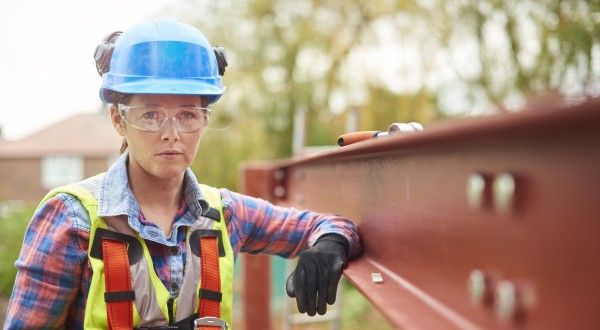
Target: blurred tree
{"points": [[395, 60]]}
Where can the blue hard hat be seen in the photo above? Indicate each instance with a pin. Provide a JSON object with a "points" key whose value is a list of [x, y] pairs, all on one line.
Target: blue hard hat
{"points": [[162, 56]]}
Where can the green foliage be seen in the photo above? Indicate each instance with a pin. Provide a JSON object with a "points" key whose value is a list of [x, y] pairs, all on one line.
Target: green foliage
{"points": [[12, 229], [225, 143], [358, 311], [392, 60]]}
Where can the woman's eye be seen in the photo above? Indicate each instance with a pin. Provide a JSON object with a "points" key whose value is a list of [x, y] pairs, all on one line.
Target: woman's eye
{"points": [[187, 114], [150, 115]]}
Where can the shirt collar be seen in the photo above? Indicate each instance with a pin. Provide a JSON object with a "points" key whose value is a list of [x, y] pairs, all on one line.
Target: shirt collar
{"points": [[116, 197]]}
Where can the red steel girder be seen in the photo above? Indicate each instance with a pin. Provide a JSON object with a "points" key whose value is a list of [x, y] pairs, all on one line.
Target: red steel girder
{"points": [[511, 198]]}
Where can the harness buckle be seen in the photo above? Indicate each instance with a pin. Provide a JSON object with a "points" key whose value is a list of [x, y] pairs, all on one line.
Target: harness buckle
{"points": [[210, 321]]}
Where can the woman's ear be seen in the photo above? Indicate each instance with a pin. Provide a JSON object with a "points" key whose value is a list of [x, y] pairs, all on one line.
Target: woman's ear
{"points": [[117, 121]]}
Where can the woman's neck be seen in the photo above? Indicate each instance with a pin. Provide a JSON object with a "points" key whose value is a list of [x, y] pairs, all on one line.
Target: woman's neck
{"points": [[155, 193]]}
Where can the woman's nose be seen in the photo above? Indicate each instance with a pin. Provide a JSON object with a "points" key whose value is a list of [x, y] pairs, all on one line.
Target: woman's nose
{"points": [[169, 130]]}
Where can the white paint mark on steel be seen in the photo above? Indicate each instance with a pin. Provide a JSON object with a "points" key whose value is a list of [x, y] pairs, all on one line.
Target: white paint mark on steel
{"points": [[446, 312]]}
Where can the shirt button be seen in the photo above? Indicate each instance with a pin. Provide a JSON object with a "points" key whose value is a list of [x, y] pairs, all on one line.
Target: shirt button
{"points": [[174, 250], [174, 286]]}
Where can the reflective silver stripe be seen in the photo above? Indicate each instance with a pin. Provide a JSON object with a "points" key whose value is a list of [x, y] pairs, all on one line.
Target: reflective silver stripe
{"points": [[92, 184]]}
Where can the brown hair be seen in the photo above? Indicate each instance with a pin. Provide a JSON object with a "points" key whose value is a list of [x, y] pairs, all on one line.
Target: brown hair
{"points": [[124, 146], [122, 99]]}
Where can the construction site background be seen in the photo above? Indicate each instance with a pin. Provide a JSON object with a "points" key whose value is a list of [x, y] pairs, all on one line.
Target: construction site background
{"points": [[356, 65]]}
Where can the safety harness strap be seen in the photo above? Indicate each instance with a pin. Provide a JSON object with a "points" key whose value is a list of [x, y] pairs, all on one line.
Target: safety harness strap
{"points": [[119, 294], [209, 304]]}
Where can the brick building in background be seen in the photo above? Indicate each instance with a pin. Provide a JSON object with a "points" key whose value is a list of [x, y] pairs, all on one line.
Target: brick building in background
{"points": [[75, 148]]}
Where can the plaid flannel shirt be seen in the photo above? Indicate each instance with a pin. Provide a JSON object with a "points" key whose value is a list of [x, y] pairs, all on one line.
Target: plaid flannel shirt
{"points": [[54, 275]]}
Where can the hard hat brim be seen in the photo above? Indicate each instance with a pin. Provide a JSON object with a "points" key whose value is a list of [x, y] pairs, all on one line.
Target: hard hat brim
{"points": [[164, 86]]}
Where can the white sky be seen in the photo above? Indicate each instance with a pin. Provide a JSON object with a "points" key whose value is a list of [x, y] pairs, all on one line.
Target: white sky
{"points": [[47, 70]]}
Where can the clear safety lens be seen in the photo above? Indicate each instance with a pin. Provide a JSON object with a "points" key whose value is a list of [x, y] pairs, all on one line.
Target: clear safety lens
{"points": [[152, 118]]}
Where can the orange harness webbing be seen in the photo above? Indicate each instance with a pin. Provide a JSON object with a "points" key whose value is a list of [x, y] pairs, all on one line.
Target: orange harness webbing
{"points": [[119, 294], [209, 303]]}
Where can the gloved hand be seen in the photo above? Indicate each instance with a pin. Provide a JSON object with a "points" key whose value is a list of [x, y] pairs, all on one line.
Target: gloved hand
{"points": [[315, 279]]}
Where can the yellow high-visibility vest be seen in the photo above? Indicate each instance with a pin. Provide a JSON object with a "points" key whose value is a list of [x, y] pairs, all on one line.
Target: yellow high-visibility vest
{"points": [[152, 300]]}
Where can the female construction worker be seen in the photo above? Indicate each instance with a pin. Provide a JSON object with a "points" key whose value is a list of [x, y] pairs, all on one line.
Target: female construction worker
{"points": [[144, 245]]}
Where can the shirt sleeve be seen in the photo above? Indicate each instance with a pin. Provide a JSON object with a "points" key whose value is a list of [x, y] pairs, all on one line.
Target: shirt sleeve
{"points": [[257, 226], [48, 268]]}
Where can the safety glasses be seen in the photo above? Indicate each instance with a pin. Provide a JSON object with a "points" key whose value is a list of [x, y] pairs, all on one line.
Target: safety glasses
{"points": [[152, 118]]}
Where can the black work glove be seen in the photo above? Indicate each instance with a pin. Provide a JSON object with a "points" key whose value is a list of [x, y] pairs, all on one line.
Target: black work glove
{"points": [[315, 279]]}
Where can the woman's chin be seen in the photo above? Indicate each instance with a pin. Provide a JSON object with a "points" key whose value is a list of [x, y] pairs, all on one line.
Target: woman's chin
{"points": [[170, 172]]}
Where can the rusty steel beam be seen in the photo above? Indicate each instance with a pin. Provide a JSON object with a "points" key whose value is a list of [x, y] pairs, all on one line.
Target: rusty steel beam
{"points": [[479, 223], [256, 269]]}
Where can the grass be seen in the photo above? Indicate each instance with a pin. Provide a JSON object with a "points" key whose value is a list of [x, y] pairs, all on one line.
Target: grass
{"points": [[356, 313], [12, 229], [13, 223], [359, 313]]}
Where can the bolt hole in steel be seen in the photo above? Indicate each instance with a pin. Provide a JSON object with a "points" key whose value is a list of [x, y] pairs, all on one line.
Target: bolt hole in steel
{"points": [[477, 287], [279, 191], [510, 299], [513, 299], [504, 190], [506, 300], [279, 175], [476, 191]]}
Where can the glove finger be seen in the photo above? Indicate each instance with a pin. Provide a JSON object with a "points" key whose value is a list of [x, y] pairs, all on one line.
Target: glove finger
{"points": [[323, 288], [300, 288], [334, 277], [311, 279], [289, 286]]}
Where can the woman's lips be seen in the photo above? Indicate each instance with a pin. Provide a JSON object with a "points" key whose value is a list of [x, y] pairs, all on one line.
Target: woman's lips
{"points": [[170, 154]]}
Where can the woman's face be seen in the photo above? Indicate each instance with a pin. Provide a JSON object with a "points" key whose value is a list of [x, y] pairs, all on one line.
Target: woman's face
{"points": [[164, 154]]}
